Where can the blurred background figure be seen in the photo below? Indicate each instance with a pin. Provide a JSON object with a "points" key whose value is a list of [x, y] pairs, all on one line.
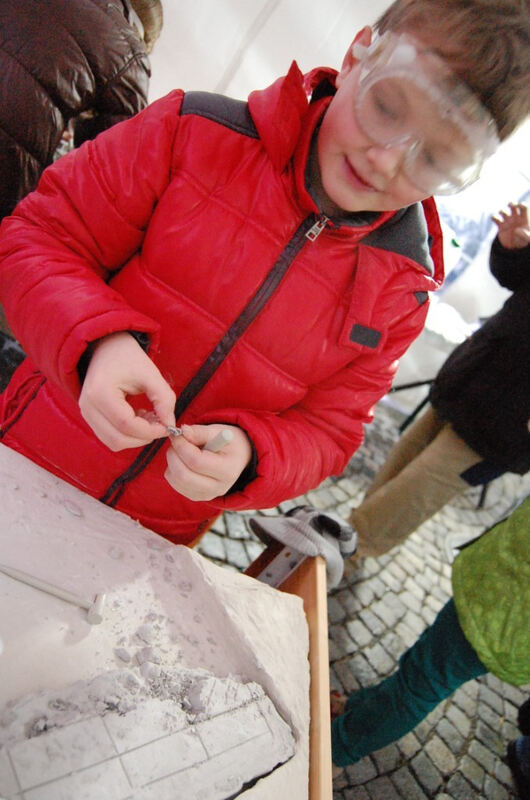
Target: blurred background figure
{"points": [[477, 426], [484, 627], [68, 70], [518, 756], [82, 62]]}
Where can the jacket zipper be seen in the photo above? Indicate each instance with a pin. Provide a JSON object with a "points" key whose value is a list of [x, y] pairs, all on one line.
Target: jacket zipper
{"points": [[316, 229], [309, 230]]}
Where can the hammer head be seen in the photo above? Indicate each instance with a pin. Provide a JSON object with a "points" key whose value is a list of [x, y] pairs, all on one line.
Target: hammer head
{"points": [[95, 612]]}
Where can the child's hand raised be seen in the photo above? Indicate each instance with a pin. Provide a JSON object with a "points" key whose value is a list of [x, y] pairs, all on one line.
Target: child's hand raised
{"points": [[200, 474], [514, 230], [119, 367]]}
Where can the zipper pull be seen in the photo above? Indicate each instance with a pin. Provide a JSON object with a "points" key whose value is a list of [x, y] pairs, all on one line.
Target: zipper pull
{"points": [[316, 229]]}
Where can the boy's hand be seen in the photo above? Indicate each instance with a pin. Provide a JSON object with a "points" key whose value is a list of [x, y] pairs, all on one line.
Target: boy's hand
{"points": [[199, 474], [119, 367], [514, 231]]}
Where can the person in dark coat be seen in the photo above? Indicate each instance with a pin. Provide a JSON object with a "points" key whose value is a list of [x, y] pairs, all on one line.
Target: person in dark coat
{"points": [[68, 68], [476, 427], [62, 61]]}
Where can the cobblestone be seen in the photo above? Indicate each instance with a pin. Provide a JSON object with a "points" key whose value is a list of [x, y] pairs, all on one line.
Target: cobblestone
{"points": [[407, 785], [380, 608], [426, 772]]}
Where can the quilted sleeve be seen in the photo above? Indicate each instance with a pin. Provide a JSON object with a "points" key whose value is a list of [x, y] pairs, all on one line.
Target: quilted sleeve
{"points": [[509, 267], [86, 219], [122, 97]]}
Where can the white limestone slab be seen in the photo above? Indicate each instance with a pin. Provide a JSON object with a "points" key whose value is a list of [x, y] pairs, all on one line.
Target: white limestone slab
{"points": [[168, 608]]}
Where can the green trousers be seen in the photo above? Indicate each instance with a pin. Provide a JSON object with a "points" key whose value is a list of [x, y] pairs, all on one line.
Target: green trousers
{"points": [[432, 669]]}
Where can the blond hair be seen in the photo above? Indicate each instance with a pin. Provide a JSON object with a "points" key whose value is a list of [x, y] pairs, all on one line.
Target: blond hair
{"points": [[151, 17], [485, 42]]}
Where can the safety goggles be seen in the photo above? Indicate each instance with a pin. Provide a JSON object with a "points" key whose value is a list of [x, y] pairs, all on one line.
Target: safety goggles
{"points": [[409, 97]]}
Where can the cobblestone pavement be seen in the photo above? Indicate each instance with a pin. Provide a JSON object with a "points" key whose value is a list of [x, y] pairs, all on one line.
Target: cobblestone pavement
{"points": [[379, 609]]}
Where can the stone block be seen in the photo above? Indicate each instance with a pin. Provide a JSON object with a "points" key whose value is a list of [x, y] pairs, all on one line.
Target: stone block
{"points": [[459, 789], [359, 793], [387, 759], [363, 670], [460, 720], [359, 633], [383, 789], [393, 645], [60, 751], [8, 781], [344, 644], [86, 785], [379, 659], [236, 553], [426, 772], [349, 601], [441, 756], [348, 679], [409, 745], [373, 623], [237, 525], [482, 755], [148, 719], [494, 790], [473, 772], [451, 736], [361, 772], [336, 612], [412, 601], [391, 609], [212, 546], [407, 785], [405, 633], [492, 699]]}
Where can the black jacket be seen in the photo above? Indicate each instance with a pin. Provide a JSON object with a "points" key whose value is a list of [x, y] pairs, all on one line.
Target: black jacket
{"points": [[483, 389], [59, 58]]}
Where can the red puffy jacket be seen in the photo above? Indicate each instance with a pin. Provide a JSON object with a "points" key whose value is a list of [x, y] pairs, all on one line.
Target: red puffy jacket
{"points": [[192, 223]]}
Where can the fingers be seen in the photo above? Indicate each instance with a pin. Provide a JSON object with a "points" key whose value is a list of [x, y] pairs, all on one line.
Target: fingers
{"points": [[194, 473], [513, 227], [162, 397], [117, 426], [119, 368], [517, 214], [201, 474]]}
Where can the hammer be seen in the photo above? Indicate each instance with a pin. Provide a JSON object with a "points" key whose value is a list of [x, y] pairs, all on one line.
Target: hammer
{"points": [[94, 609]]}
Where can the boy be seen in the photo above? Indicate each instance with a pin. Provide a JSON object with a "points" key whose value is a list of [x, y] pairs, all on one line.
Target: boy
{"points": [[264, 265]]}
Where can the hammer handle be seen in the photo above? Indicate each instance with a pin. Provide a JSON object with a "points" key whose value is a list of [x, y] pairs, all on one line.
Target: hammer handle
{"points": [[44, 586]]}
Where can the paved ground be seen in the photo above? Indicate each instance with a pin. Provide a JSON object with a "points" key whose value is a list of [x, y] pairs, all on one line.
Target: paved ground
{"points": [[380, 608]]}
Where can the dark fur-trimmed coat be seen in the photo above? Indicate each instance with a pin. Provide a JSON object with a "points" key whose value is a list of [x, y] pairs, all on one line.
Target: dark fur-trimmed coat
{"points": [[58, 60]]}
